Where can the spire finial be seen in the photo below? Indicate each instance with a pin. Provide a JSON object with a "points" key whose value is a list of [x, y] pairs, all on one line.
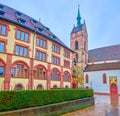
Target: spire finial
{"points": [[78, 17]]}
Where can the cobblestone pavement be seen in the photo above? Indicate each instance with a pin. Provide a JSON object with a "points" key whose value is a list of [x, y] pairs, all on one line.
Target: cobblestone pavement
{"points": [[104, 106]]}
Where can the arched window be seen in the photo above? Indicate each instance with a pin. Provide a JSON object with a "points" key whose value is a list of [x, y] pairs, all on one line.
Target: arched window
{"points": [[104, 79], [2, 68], [76, 57], [55, 75], [86, 78], [19, 69], [66, 76], [76, 45], [19, 87], [55, 86], [66, 86], [39, 86], [85, 45], [40, 72]]}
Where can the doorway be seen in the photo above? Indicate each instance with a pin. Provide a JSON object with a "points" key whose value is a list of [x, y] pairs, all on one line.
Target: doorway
{"points": [[113, 89]]}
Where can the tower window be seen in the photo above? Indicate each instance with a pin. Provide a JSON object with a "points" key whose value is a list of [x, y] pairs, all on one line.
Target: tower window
{"points": [[76, 45], [76, 57]]}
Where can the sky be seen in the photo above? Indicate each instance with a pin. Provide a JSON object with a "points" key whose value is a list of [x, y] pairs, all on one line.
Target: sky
{"points": [[102, 18]]}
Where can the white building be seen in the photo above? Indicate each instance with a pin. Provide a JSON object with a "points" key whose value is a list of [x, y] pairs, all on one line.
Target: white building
{"points": [[103, 70], [101, 66]]}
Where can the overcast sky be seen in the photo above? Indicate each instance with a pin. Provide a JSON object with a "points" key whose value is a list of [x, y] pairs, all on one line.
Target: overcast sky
{"points": [[102, 18]]}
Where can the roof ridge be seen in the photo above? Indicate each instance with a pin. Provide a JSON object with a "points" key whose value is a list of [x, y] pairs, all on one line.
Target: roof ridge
{"points": [[104, 47]]}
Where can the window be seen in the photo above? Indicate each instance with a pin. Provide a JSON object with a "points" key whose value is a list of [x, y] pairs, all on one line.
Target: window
{"points": [[3, 30], [104, 79], [1, 7], [56, 49], [66, 64], [18, 87], [40, 56], [39, 29], [41, 43], [55, 60], [2, 13], [33, 21], [66, 54], [18, 14], [55, 86], [40, 73], [84, 45], [20, 35], [1, 70], [20, 70], [86, 79], [39, 86], [76, 57], [55, 75], [66, 86], [2, 45], [76, 45], [21, 21], [20, 50], [67, 77]]}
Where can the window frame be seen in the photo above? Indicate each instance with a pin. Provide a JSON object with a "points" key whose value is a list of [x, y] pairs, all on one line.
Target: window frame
{"points": [[67, 64], [3, 71], [22, 35], [55, 72], [3, 25], [86, 79], [76, 45], [104, 78], [56, 60], [66, 53], [18, 71], [40, 42], [56, 48]]}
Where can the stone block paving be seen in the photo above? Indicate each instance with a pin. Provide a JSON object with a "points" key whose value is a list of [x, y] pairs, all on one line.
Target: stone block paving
{"points": [[104, 106]]}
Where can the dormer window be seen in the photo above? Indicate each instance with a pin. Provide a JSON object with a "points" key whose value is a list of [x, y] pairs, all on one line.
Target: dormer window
{"points": [[53, 36], [21, 21], [2, 13], [39, 29], [33, 21], [47, 28], [1, 7], [18, 14]]}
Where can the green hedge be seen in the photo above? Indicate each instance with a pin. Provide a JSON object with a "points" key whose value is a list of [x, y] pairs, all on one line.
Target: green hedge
{"points": [[13, 100]]}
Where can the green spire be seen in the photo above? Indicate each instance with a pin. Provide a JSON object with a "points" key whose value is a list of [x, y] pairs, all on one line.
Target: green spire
{"points": [[78, 18]]}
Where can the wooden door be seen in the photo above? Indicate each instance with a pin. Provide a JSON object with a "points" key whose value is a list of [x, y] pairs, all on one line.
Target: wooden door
{"points": [[113, 88]]}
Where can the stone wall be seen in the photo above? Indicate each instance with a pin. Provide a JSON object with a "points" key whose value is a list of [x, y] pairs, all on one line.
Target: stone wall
{"points": [[52, 109]]}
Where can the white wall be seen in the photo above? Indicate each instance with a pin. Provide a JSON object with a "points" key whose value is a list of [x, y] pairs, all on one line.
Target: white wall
{"points": [[96, 80]]}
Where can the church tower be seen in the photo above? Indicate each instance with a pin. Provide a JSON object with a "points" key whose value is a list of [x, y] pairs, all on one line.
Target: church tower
{"points": [[79, 42]]}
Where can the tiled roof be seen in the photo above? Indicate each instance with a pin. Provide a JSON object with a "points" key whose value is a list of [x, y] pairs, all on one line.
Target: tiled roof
{"points": [[10, 15], [104, 53], [76, 29], [105, 66]]}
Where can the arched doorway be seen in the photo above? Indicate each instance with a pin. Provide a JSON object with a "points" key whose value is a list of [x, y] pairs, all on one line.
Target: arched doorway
{"points": [[113, 88]]}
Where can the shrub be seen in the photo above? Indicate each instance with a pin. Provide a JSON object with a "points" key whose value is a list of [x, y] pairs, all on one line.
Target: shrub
{"points": [[13, 100]]}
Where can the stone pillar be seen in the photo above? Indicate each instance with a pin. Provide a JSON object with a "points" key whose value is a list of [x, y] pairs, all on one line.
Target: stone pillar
{"points": [[49, 76], [8, 72], [31, 75], [61, 77]]}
